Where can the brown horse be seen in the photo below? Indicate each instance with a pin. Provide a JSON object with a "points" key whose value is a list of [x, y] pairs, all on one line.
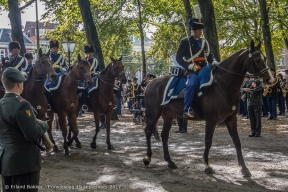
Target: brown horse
{"points": [[102, 100], [34, 90], [220, 103], [64, 100]]}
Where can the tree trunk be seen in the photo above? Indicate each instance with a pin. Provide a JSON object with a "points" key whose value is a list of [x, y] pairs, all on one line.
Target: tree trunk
{"points": [[142, 41], [188, 13], [16, 27], [210, 31], [90, 29], [267, 34]]}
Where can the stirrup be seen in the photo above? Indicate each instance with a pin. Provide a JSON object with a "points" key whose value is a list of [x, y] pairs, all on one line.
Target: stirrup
{"points": [[84, 108], [49, 107]]}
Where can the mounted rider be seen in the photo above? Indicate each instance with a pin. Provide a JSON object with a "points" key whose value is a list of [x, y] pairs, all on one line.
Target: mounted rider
{"points": [[20, 62], [29, 58], [89, 50], [58, 59], [193, 54]]}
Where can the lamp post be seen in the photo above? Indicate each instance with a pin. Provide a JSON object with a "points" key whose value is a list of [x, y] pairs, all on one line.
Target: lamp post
{"points": [[68, 47]]}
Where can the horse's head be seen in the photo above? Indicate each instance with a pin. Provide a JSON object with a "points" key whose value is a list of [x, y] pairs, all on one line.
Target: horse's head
{"points": [[117, 69], [82, 67], [43, 66], [258, 65]]}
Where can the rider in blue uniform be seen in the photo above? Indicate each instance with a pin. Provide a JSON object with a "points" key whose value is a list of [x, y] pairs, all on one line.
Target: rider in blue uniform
{"points": [[20, 62], [193, 54], [94, 69], [29, 58]]}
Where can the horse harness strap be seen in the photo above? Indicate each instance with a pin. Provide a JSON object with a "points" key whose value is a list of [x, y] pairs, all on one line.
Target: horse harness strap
{"points": [[103, 97]]}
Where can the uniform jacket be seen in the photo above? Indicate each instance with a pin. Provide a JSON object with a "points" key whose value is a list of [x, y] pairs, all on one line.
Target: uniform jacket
{"points": [[137, 89], [184, 52], [20, 63], [118, 94], [18, 153], [94, 65], [255, 94], [58, 62], [129, 90], [245, 84]]}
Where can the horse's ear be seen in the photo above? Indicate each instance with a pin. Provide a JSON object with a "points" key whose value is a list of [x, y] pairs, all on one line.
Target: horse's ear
{"points": [[79, 57], [120, 59], [112, 59], [40, 52], [252, 46], [259, 46], [48, 53]]}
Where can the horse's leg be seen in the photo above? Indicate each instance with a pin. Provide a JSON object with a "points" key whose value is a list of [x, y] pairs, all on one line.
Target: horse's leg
{"points": [[55, 148], [168, 119], [231, 124], [96, 118], [108, 118], [209, 131], [73, 128], [152, 118], [62, 122]]}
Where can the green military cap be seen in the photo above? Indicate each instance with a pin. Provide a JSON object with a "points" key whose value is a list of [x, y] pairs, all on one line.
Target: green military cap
{"points": [[13, 74]]}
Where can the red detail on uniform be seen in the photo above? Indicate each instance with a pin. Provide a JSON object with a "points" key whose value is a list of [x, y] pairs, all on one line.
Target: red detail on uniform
{"points": [[54, 42], [28, 53], [16, 42], [89, 46], [22, 100]]}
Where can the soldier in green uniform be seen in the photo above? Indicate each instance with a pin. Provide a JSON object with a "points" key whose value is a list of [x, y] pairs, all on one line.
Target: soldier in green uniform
{"points": [[20, 159]]}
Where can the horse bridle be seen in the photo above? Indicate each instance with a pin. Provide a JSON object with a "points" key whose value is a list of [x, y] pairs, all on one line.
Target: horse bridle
{"points": [[44, 71], [82, 77], [116, 76]]}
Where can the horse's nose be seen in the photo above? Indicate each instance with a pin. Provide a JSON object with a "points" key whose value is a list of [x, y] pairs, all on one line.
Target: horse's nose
{"points": [[53, 77]]}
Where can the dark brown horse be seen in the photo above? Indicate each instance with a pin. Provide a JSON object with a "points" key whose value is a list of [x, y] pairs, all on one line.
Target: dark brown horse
{"points": [[102, 100], [220, 103], [65, 103], [34, 90]]}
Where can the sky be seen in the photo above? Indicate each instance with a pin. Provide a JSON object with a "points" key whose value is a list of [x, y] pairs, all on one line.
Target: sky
{"points": [[29, 15]]}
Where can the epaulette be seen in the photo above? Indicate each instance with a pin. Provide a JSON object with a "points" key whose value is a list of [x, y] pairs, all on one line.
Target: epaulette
{"points": [[20, 99]]}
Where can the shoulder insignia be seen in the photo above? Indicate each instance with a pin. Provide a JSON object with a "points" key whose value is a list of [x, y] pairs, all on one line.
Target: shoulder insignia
{"points": [[21, 100], [28, 112]]}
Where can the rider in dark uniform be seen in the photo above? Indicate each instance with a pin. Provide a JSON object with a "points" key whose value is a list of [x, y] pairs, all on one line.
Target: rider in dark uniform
{"points": [[58, 59], [193, 54], [20, 62], [89, 50], [20, 159], [29, 58], [273, 96]]}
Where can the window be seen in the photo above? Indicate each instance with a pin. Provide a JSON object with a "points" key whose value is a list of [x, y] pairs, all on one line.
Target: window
{"points": [[282, 62], [2, 53]]}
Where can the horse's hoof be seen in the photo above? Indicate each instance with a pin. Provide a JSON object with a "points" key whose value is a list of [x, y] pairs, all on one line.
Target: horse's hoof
{"points": [[55, 148], [209, 170], [146, 161], [172, 165], [78, 145], [67, 152], [246, 172], [93, 145], [111, 147]]}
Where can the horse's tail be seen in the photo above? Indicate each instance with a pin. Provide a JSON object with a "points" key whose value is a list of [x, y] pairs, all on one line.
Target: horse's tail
{"points": [[154, 128]]}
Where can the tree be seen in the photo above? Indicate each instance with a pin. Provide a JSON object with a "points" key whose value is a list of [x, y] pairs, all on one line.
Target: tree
{"points": [[266, 34], [210, 30], [91, 32], [188, 12]]}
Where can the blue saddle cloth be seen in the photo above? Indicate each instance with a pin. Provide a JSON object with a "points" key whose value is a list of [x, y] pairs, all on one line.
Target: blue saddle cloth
{"points": [[52, 86], [95, 84], [176, 84]]}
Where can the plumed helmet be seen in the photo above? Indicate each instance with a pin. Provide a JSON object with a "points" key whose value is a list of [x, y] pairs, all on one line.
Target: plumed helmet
{"points": [[89, 48], [54, 43], [14, 44]]}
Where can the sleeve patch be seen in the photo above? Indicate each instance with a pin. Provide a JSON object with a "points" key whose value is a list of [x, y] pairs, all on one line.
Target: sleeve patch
{"points": [[28, 112]]}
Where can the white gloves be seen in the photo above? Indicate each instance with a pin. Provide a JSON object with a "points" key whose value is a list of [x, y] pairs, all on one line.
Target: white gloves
{"points": [[191, 67], [63, 70], [215, 63], [24, 74]]}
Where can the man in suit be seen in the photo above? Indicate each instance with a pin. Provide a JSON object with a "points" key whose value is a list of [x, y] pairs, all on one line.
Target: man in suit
{"points": [[20, 159], [254, 101]]}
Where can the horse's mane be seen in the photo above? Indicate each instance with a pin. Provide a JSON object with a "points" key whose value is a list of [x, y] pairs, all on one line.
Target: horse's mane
{"points": [[105, 70], [232, 56]]}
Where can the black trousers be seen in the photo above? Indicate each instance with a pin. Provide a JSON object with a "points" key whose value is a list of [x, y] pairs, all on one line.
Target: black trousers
{"points": [[182, 124], [255, 119], [21, 183]]}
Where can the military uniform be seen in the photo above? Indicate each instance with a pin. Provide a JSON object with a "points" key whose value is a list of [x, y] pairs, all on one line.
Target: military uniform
{"points": [[92, 60], [19, 157], [193, 62], [58, 60], [245, 84], [20, 62], [129, 94], [272, 100], [281, 102], [254, 102], [29, 56]]}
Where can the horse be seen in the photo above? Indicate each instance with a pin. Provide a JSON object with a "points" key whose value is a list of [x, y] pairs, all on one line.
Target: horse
{"points": [[102, 100], [220, 104], [34, 90], [64, 100]]}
